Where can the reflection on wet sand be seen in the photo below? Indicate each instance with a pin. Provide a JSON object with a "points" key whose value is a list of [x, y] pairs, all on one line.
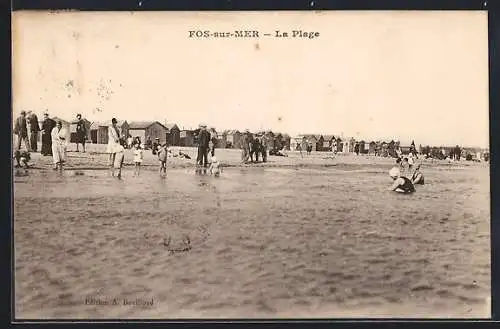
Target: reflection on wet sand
{"points": [[263, 242]]}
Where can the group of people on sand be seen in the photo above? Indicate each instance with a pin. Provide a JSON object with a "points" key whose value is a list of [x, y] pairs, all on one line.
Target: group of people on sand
{"points": [[117, 144], [404, 180], [54, 139], [253, 146]]}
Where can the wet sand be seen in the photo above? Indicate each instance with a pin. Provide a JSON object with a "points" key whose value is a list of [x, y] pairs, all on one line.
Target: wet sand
{"points": [[294, 238]]}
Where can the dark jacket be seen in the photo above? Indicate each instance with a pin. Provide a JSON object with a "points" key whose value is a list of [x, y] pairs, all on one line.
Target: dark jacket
{"points": [[48, 125], [81, 130], [34, 126], [20, 127], [203, 139]]}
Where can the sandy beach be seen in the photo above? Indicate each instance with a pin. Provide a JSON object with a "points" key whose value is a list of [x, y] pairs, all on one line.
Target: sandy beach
{"points": [[297, 237]]}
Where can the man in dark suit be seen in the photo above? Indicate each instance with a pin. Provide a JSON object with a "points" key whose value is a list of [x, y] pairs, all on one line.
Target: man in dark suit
{"points": [[203, 146], [34, 131], [21, 130]]}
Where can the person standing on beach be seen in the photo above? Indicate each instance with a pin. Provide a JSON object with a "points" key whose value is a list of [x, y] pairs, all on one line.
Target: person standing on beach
{"points": [[213, 141], [264, 142], [34, 130], [21, 130], [203, 146], [59, 143], [115, 149], [138, 155], [162, 157], [245, 146], [81, 132], [356, 148], [47, 125]]}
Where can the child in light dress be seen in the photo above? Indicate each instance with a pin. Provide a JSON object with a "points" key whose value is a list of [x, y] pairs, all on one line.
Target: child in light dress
{"points": [[162, 156], [215, 167], [138, 156]]}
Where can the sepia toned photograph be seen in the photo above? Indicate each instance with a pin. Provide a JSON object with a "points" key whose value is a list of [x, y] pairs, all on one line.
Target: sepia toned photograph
{"points": [[258, 165]]}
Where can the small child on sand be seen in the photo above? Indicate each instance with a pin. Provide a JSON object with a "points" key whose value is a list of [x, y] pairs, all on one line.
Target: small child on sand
{"points": [[22, 159], [215, 167], [138, 156], [162, 156]]}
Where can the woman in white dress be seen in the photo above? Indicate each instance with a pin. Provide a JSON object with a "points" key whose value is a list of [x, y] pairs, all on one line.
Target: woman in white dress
{"points": [[59, 144], [115, 149]]}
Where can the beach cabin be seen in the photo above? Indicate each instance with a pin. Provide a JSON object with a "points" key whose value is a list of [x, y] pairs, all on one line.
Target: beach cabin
{"points": [[232, 138], [310, 139], [405, 149], [221, 140], [174, 134], [286, 141], [319, 143], [362, 147], [327, 142], [99, 131], [186, 138], [153, 129]]}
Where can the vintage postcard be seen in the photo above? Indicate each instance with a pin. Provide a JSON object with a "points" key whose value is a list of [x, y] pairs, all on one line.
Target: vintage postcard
{"points": [[251, 165]]}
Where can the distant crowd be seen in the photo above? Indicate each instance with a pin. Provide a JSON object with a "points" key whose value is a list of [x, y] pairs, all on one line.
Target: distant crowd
{"points": [[254, 147]]}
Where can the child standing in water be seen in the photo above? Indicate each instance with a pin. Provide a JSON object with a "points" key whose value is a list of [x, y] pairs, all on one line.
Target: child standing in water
{"points": [[215, 167], [138, 155], [162, 156]]}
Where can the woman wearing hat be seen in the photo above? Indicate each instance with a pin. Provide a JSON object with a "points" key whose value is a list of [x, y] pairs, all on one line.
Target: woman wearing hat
{"points": [[401, 184]]}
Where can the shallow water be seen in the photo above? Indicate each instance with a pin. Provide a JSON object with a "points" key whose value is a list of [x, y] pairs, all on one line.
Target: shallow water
{"points": [[265, 242]]}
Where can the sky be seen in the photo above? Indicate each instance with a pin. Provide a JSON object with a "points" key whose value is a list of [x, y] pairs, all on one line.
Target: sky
{"points": [[412, 75]]}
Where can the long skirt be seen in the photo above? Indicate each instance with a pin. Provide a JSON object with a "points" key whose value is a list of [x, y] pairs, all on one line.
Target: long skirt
{"points": [[34, 141], [58, 153], [46, 144]]}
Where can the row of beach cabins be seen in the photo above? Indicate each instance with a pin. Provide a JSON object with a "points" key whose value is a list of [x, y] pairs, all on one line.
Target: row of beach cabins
{"points": [[171, 133]]}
